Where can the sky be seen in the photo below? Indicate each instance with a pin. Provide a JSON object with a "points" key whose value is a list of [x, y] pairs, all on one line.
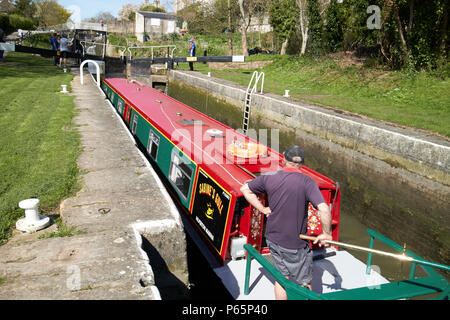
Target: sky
{"points": [[82, 9]]}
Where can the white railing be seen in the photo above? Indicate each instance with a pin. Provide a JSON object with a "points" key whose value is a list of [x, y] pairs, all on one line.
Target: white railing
{"points": [[97, 67], [256, 76], [79, 25]]}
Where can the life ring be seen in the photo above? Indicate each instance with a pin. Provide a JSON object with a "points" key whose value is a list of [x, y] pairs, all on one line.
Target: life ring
{"points": [[246, 149]]}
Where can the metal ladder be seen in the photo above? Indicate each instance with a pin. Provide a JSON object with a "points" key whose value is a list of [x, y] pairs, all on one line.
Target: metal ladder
{"points": [[252, 87]]}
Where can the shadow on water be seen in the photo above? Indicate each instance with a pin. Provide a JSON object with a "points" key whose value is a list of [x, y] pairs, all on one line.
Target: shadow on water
{"points": [[169, 286], [204, 284]]}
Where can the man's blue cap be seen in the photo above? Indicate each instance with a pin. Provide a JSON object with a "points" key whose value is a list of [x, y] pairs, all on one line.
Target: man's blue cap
{"points": [[191, 40]]}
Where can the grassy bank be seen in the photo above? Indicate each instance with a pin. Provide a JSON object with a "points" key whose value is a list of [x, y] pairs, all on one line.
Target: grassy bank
{"points": [[419, 99], [38, 145]]}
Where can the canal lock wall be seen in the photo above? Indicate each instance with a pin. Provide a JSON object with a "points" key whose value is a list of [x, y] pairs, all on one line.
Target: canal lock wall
{"points": [[394, 180]]}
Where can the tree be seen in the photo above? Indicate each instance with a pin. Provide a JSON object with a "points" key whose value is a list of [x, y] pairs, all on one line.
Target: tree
{"points": [[194, 16], [414, 33], [50, 12], [152, 8], [304, 23], [249, 8], [128, 12], [316, 28], [335, 25], [283, 19], [102, 15], [25, 8]]}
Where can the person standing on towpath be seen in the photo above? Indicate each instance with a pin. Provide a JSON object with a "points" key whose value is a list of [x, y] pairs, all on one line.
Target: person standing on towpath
{"points": [[191, 53]]}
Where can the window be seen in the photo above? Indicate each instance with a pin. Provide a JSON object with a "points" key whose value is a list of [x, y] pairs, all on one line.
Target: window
{"points": [[120, 106], [180, 175], [135, 120], [153, 143]]}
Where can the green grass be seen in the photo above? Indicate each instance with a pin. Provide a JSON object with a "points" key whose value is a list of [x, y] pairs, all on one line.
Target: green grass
{"points": [[63, 231], [420, 100], [39, 145]]}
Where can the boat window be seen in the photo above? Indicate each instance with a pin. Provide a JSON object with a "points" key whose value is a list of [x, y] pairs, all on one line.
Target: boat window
{"points": [[135, 120], [120, 106], [153, 143], [180, 175]]}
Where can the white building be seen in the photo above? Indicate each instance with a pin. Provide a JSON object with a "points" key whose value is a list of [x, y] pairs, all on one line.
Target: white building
{"points": [[154, 24], [257, 24]]}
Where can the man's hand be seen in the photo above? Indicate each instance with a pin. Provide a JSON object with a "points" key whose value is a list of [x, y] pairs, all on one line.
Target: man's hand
{"points": [[266, 211], [321, 239]]}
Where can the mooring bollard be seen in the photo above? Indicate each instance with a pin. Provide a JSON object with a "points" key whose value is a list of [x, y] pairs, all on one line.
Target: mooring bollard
{"points": [[64, 88], [32, 221], [286, 93]]}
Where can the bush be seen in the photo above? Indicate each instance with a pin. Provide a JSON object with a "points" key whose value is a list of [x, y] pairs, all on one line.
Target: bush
{"points": [[20, 22], [4, 23]]}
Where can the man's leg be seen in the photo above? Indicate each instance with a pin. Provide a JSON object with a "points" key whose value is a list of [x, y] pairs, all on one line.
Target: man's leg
{"points": [[280, 293]]}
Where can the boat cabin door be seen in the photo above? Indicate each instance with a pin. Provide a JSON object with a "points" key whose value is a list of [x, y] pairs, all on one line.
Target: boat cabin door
{"points": [[127, 114], [254, 222]]}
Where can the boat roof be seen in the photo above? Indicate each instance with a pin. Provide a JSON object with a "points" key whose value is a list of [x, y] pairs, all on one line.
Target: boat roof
{"points": [[201, 138]]}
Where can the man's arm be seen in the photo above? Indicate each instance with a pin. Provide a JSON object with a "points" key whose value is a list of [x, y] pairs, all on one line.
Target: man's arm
{"points": [[325, 218], [254, 201]]}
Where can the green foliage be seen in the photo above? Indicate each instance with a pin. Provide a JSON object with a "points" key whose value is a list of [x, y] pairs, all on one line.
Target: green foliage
{"points": [[12, 22], [335, 26], [283, 17], [26, 8], [316, 29], [152, 8], [63, 231], [20, 22], [4, 24]]}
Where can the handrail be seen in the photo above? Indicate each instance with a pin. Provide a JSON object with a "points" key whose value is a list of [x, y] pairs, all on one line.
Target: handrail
{"points": [[433, 283], [97, 68], [255, 86], [293, 290], [426, 265], [152, 47]]}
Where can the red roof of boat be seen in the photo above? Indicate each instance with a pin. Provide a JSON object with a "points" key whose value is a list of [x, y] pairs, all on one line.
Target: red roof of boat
{"points": [[176, 121]]}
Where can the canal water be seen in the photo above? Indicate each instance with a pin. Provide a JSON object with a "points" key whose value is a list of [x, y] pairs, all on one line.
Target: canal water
{"points": [[372, 197]]}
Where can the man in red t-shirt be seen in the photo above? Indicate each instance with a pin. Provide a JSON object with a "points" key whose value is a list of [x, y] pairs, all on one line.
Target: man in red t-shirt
{"points": [[289, 191]]}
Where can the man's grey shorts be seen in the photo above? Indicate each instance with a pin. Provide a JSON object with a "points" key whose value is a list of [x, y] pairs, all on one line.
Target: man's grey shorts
{"points": [[293, 263]]}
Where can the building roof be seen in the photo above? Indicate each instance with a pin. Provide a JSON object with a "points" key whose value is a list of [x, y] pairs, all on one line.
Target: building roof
{"points": [[158, 15]]}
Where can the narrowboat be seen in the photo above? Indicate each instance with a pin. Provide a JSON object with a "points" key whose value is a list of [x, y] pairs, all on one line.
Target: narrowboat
{"points": [[204, 164]]}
